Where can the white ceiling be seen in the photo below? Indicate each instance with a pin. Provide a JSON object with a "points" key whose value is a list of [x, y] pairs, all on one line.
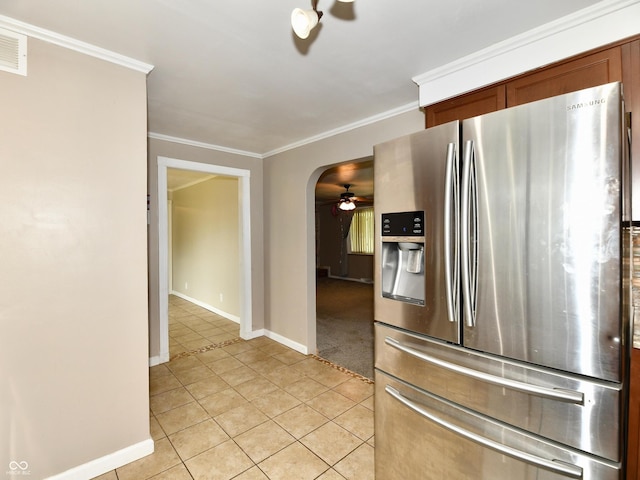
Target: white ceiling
{"points": [[231, 73]]}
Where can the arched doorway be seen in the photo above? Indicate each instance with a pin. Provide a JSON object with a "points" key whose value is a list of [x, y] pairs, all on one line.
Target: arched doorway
{"points": [[344, 277]]}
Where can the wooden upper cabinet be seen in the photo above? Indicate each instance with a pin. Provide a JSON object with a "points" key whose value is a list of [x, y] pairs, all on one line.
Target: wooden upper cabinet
{"points": [[631, 83], [466, 106], [585, 72], [633, 438]]}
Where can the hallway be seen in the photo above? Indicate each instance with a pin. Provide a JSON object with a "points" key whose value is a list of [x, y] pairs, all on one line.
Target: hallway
{"points": [[224, 408]]}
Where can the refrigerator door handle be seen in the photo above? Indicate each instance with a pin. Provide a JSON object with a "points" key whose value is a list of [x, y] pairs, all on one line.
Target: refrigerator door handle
{"points": [[556, 466], [451, 206], [570, 396], [468, 215]]}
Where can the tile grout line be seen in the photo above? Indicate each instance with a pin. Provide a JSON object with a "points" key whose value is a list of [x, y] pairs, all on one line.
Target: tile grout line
{"points": [[295, 440], [362, 442]]}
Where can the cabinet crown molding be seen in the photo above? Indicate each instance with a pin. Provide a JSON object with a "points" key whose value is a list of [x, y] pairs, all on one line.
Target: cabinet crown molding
{"points": [[605, 22]]}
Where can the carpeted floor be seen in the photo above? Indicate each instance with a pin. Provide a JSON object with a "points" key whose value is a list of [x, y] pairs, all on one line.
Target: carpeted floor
{"points": [[344, 324]]}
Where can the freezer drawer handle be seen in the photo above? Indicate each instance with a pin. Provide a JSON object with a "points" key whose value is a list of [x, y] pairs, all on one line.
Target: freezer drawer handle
{"points": [[571, 396], [556, 466]]}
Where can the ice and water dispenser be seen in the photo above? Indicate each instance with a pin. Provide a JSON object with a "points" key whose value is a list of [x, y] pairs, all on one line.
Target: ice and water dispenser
{"points": [[403, 257]]}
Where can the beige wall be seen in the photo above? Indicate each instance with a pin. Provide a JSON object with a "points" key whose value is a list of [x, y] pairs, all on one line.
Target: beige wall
{"points": [[205, 246], [289, 226], [178, 151], [282, 234], [73, 309]]}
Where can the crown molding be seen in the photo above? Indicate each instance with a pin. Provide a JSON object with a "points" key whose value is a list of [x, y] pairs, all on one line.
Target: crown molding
{"points": [[352, 126], [594, 26], [208, 146], [346, 128], [73, 44]]}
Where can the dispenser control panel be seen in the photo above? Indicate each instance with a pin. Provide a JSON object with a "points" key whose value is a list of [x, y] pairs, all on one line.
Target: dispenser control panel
{"points": [[403, 224]]}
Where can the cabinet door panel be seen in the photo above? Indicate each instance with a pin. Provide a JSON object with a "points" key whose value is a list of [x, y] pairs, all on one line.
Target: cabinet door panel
{"points": [[590, 71], [466, 106], [633, 441], [631, 82]]}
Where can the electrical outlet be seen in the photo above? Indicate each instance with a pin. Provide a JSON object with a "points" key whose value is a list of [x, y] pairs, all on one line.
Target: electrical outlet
{"points": [[221, 297], [186, 285]]}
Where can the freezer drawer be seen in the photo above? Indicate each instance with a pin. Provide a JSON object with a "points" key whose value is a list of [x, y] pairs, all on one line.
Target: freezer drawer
{"points": [[569, 409], [420, 436]]}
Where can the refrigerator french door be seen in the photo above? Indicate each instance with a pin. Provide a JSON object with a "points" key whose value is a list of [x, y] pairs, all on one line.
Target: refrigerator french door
{"points": [[503, 297], [410, 217]]}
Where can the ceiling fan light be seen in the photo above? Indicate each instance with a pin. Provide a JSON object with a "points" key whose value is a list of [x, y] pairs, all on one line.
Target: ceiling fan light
{"points": [[347, 205], [303, 21]]}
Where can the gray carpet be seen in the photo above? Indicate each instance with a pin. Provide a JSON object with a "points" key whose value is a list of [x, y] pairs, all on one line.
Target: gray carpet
{"points": [[344, 324]]}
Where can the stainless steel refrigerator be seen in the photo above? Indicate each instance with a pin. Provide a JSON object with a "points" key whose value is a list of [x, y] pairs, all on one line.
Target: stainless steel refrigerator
{"points": [[502, 300]]}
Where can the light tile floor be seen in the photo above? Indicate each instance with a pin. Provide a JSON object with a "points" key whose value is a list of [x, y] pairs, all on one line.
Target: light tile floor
{"points": [[225, 408]]}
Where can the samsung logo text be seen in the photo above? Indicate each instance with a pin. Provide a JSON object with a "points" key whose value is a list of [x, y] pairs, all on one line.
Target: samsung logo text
{"points": [[592, 103]]}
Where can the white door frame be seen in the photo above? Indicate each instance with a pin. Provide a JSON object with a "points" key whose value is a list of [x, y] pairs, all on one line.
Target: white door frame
{"points": [[244, 209], [169, 245]]}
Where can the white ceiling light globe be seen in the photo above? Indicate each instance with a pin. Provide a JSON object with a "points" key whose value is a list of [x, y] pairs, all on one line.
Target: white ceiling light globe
{"points": [[303, 21]]}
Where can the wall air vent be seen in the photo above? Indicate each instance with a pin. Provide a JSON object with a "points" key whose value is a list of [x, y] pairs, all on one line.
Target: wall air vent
{"points": [[13, 52]]}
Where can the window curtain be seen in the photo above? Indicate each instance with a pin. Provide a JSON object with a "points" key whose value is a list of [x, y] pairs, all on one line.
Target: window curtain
{"points": [[345, 219], [361, 232]]}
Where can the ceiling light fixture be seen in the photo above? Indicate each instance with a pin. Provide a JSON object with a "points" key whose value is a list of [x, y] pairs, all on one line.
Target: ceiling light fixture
{"points": [[303, 21], [347, 202]]}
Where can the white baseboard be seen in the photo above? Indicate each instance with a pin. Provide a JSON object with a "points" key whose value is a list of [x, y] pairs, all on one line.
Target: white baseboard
{"points": [[229, 316], [298, 347], [158, 359], [244, 335], [277, 337], [252, 334], [368, 281], [107, 463], [348, 279]]}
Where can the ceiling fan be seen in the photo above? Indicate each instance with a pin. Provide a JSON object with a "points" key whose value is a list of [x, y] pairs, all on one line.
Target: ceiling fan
{"points": [[347, 200]]}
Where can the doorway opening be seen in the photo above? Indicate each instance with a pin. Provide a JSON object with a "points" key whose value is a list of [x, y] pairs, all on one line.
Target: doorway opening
{"points": [[344, 275], [244, 243]]}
